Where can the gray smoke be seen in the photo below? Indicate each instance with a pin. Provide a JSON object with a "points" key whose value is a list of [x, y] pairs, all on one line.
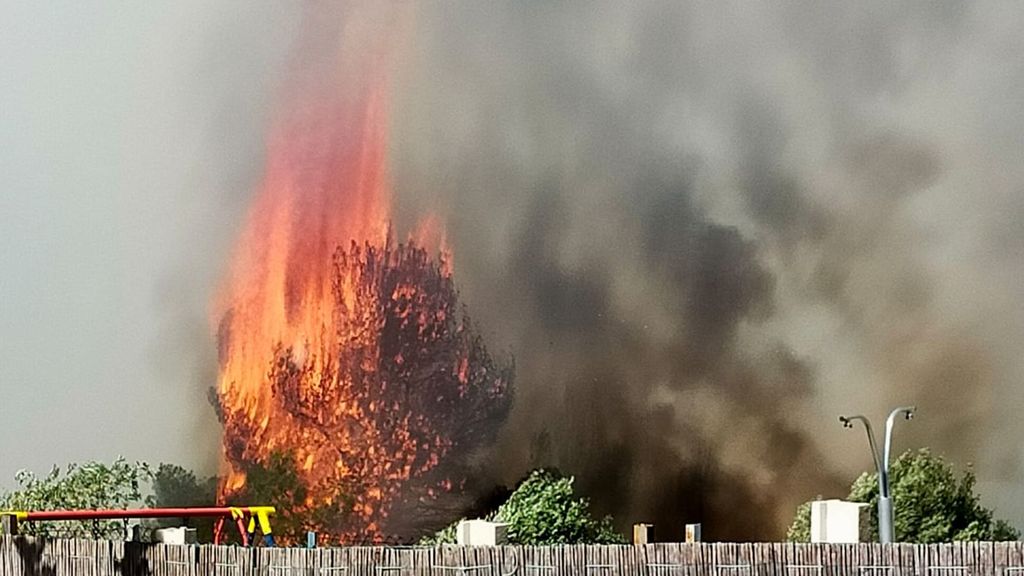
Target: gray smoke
{"points": [[705, 230]]}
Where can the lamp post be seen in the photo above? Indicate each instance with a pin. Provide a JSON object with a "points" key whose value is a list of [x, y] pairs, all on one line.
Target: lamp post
{"points": [[885, 519]]}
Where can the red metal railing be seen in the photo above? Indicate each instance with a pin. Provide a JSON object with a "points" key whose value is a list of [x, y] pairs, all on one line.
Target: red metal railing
{"points": [[256, 516]]}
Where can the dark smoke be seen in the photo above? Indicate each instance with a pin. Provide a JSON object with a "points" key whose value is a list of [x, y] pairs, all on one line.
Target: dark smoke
{"points": [[705, 230]]}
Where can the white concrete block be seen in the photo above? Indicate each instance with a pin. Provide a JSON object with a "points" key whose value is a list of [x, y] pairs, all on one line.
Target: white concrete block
{"points": [[481, 533], [181, 535], [838, 521]]}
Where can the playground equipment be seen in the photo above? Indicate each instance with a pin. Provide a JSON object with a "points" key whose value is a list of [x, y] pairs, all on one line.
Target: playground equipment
{"points": [[247, 518]]}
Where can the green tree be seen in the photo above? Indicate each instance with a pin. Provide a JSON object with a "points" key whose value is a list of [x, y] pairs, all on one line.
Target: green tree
{"points": [[275, 482], [174, 487], [800, 529], [544, 509], [930, 504], [93, 485]]}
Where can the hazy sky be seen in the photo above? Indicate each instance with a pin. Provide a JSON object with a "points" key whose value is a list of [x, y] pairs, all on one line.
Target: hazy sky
{"points": [[129, 136]]}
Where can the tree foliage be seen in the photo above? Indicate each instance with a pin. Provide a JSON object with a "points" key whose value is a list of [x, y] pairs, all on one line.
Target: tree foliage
{"points": [[174, 487], [93, 485], [930, 504], [542, 510], [800, 529]]}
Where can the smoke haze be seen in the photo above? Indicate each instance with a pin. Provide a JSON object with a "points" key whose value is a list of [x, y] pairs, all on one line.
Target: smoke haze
{"points": [[703, 230]]}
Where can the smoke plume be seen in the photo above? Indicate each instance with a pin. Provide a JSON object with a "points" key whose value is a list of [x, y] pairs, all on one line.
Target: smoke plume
{"points": [[705, 230]]}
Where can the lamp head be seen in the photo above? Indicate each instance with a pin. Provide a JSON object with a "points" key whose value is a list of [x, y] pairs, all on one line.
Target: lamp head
{"points": [[906, 411]]}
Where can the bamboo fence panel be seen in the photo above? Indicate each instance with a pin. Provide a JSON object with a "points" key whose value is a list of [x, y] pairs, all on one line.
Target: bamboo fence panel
{"points": [[25, 556]]}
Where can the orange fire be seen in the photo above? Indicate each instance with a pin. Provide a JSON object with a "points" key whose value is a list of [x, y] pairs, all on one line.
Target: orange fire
{"points": [[342, 352]]}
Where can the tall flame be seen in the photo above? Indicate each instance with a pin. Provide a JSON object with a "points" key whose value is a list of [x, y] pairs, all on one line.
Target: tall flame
{"points": [[325, 186], [343, 353]]}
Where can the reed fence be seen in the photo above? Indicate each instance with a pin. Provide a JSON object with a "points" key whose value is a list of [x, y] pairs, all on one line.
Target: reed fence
{"points": [[24, 556]]}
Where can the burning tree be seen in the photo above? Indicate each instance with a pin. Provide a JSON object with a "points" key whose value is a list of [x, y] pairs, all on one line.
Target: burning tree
{"points": [[383, 416], [352, 384]]}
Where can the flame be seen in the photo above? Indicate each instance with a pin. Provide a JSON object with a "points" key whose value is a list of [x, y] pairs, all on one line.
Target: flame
{"points": [[321, 189], [338, 349]]}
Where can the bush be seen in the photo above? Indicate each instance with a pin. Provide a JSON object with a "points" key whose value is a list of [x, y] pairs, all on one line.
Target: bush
{"points": [[542, 510]]}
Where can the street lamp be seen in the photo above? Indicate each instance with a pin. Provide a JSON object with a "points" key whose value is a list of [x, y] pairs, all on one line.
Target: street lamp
{"points": [[885, 521]]}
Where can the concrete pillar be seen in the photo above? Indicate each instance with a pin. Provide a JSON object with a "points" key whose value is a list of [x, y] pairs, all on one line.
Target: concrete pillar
{"points": [[693, 533], [643, 533]]}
